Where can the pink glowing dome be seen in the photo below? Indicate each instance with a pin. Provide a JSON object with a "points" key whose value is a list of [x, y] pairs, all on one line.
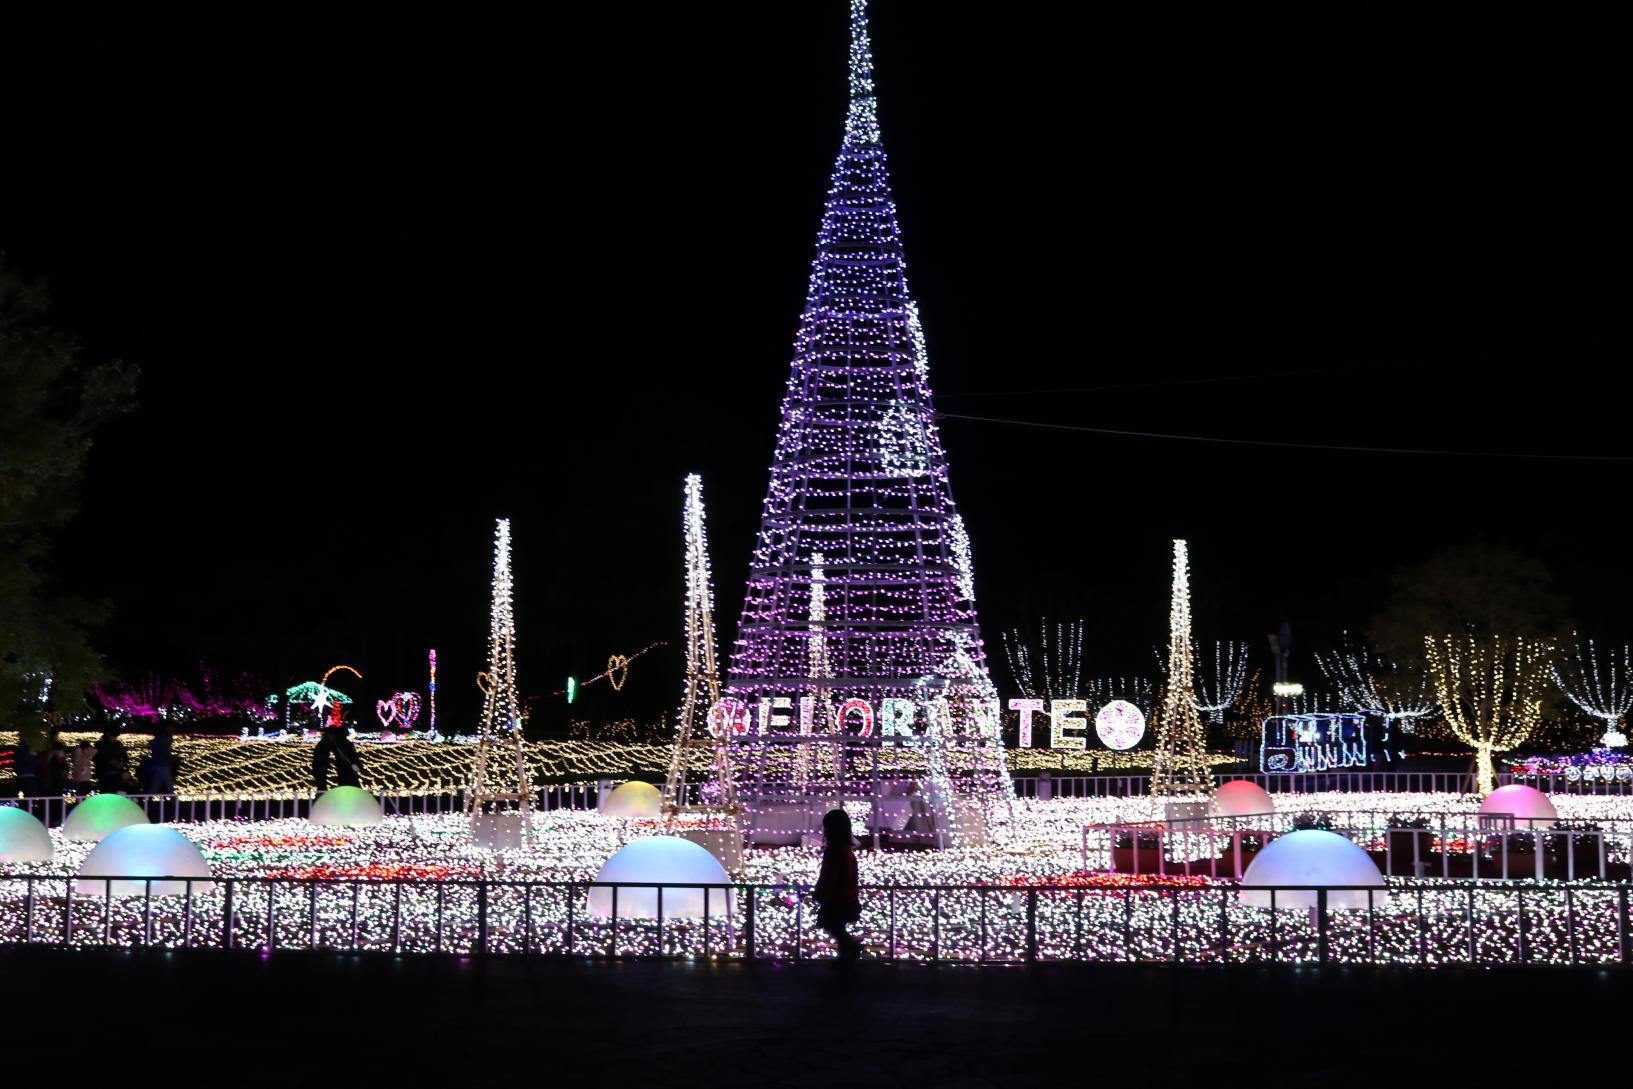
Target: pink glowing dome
{"points": [[1530, 806], [1240, 797]]}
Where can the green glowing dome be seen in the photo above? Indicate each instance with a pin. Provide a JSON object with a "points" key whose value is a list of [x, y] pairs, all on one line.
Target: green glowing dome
{"points": [[22, 837], [346, 807], [100, 814]]}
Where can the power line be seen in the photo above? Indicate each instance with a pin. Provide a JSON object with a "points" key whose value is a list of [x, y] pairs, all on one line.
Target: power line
{"points": [[1285, 445], [1210, 379]]}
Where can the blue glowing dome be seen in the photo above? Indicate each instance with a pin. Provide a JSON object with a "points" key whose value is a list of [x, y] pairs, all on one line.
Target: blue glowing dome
{"points": [[1313, 857], [666, 859], [142, 851]]}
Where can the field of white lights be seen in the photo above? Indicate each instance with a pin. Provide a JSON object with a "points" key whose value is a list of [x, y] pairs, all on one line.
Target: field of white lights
{"points": [[1052, 891]]}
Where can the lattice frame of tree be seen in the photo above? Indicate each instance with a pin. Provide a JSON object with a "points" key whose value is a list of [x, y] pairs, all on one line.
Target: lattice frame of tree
{"points": [[700, 742], [501, 795], [1180, 768]]}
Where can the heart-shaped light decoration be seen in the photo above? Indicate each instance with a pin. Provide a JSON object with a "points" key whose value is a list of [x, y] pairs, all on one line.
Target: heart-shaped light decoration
{"points": [[617, 671], [407, 706]]}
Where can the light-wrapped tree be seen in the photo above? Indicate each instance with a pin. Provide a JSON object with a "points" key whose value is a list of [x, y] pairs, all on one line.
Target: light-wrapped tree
{"points": [[1490, 690]]}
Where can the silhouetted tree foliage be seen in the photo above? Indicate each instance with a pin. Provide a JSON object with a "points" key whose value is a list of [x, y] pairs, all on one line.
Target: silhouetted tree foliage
{"points": [[1478, 588], [51, 403]]}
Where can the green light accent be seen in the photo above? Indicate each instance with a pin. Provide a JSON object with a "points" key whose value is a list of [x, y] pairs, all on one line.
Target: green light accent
{"points": [[101, 815], [313, 692], [572, 689]]}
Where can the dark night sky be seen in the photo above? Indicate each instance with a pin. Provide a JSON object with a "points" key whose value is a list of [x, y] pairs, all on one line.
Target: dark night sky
{"points": [[390, 272]]}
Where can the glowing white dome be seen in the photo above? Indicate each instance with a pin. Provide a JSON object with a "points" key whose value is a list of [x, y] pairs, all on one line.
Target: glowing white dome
{"points": [[22, 837], [95, 817], [1524, 802], [666, 859], [633, 799], [1312, 857], [1240, 797], [346, 807], [143, 850]]}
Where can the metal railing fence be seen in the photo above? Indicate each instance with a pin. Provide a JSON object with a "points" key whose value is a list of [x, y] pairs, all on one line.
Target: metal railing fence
{"points": [[52, 810], [1061, 785], [1408, 922], [1448, 845]]}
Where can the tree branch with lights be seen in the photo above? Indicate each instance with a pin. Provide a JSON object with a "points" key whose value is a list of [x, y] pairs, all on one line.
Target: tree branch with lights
{"points": [[1490, 690]]}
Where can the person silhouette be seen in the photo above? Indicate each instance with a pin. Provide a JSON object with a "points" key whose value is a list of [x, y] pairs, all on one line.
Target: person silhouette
{"points": [[839, 902]]}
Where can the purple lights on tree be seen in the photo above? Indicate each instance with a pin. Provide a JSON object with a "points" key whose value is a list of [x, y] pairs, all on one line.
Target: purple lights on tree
{"points": [[861, 589], [859, 476]]}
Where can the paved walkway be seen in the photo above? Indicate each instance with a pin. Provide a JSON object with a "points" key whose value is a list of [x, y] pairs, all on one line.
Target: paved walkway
{"points": [[295, 1020]]}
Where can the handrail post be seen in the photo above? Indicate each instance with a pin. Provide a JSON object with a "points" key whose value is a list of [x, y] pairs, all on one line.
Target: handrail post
{"points": [[892, 921], [748, 923], [482, 916], [1032, 924], [1321, 925], [1622, 926]]}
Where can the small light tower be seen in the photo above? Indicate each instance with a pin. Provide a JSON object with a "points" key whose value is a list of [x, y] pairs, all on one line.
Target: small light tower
{"points": [[501, 797]]}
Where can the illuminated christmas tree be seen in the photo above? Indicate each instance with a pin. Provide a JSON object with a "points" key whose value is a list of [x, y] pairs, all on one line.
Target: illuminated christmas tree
{"points": [[1180, 768], [499, 779], [860, 480]]}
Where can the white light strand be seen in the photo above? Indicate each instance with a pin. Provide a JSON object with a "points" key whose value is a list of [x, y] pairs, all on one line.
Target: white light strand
{"points": [[1370, 682], [1603, 691], [1061, 660], [1229, 671]]}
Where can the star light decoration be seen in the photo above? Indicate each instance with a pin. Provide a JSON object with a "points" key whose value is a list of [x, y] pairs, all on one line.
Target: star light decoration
{"points": [[860, 478], [1180, 769]]}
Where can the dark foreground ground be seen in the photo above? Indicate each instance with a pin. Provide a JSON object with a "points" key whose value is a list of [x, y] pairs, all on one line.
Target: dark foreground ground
{"points": [[295, 1020]]}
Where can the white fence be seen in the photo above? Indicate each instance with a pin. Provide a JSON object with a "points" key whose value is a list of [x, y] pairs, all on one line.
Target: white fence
{"points": [[1059, 785], [192, 809]]}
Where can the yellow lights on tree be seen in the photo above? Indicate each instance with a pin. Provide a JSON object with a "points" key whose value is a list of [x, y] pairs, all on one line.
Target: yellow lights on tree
{"points": [[1490, 692], [701, 778], [1180, 768]]}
